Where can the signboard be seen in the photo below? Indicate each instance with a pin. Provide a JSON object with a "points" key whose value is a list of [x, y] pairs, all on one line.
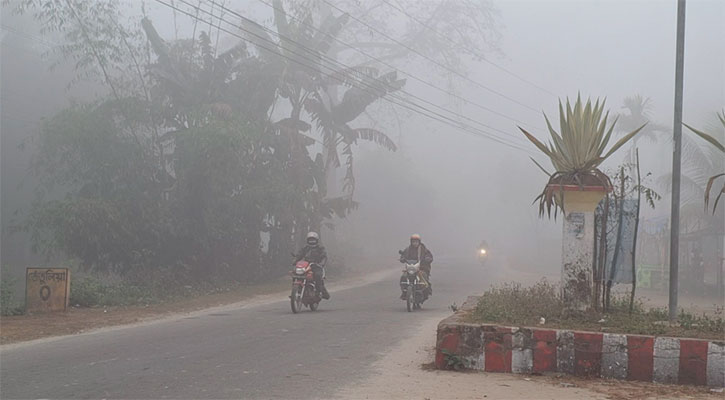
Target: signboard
{"points": [[575, 226], [47, 289]]}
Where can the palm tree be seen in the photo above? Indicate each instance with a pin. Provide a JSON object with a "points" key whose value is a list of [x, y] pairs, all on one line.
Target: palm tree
{"points": [[709, 160], [639, 113], [701, 166]]}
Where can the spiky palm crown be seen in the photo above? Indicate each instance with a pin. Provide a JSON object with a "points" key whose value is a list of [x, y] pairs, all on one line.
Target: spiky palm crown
{"points": [[720, 146], [577, 152]]}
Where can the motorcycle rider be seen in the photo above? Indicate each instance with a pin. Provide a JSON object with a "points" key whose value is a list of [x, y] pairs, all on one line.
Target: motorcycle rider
{"points": [[315, 254], [418, 252], [483, 245]]}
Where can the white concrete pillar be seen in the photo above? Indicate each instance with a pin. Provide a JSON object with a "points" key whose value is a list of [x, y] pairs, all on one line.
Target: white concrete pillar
{"points": [[577, 253]]}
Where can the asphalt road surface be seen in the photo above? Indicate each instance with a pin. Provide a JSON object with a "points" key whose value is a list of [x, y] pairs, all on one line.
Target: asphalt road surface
{"points": [[258, 352]]}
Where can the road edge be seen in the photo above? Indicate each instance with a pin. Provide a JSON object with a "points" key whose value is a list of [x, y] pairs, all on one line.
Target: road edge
{"points": [[343, 284]]}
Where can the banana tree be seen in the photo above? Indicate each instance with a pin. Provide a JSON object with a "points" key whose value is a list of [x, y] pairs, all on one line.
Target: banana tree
{"points": [[312, 82], [309, 79], [333, 118], [711, 181]]}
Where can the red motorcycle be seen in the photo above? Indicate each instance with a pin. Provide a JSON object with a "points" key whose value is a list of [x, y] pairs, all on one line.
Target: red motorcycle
{"points": [[304, 291]]}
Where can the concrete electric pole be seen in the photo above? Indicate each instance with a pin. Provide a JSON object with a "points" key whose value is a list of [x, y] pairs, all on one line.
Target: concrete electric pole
{"points": [[676, 161]]}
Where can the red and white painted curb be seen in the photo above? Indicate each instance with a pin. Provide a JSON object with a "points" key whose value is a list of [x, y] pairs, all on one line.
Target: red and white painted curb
{"points": [[494, 348]]}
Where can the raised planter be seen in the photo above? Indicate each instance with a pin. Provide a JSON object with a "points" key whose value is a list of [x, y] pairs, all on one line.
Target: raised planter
{"points": [[528, 350]]}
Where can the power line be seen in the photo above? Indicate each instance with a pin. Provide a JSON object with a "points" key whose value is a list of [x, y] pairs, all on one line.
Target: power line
{"points": [[29, 36], [438, 116], [402, 10], [482, 86], [377, 59], [457, 124], [313, 51], [426, 111], [461, 125]]}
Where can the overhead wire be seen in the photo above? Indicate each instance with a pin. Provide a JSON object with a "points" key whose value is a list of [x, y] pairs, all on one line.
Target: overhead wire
{"points": [[334, 61], [437, 63], [29, 36], [383, 62], [447, 38], [426, 111], [442, 118]]}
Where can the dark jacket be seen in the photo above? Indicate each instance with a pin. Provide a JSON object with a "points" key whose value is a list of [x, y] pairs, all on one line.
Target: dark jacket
{"points": [[412, 253], [316, 255]]}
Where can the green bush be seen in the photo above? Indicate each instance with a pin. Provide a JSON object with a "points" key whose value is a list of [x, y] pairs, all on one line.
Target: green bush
{"points": [[85, 292], [89, 291], [8, 305]]}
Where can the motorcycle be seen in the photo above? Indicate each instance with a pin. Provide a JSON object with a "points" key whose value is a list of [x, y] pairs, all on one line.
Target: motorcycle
{"points": [[304, 290], [413, 285], [482, 255]]}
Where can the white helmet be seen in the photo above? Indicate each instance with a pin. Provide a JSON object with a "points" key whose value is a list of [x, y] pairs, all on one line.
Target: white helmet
{"points": [[313, 238]]}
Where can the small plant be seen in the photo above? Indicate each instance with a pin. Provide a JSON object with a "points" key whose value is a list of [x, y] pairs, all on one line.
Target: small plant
{"points": [[703, 321], [455, 362]]}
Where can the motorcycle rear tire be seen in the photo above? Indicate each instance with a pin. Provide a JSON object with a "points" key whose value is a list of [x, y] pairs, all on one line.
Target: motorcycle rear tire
{"points": [[313, 306]]}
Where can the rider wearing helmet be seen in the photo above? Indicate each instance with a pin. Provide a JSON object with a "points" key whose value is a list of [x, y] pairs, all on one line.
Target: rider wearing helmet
{"points": [[418, 252], [315, 254]]}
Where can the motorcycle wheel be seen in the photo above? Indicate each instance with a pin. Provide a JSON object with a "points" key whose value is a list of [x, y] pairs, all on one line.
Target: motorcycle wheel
{"points": [[409, 301], [295, 300], [314, 306]]}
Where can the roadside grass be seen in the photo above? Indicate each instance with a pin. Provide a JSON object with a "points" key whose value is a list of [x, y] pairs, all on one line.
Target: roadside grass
{"points": [[93, 291], [8, 303], [512, 304], [144, 288], [106, 290]]}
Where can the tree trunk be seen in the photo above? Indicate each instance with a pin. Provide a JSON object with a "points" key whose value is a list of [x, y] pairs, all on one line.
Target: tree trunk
{"points": [[636, 229], [602, 254], [620, 220]]}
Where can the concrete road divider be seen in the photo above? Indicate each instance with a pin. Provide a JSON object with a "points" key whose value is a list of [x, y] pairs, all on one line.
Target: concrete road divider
{"points": [[522, 350]]}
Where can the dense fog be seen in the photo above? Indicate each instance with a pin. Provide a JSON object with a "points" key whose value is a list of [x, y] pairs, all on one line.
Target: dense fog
{"points": [[467, 74]]}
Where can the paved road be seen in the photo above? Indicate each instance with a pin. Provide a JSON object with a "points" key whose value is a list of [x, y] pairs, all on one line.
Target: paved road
{"points": [[258, 352]]}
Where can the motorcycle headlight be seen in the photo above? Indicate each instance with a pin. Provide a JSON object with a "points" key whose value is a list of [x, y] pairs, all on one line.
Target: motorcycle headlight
{"points": [[412, 270], [299, 271], [483, 251]]}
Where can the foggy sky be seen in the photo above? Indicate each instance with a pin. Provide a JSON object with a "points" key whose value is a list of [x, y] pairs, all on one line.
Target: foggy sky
{"points": [[484, 190]]}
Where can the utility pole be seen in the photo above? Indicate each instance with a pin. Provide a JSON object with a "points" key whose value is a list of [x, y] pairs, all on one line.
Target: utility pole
{"points": [[676, 161]]}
